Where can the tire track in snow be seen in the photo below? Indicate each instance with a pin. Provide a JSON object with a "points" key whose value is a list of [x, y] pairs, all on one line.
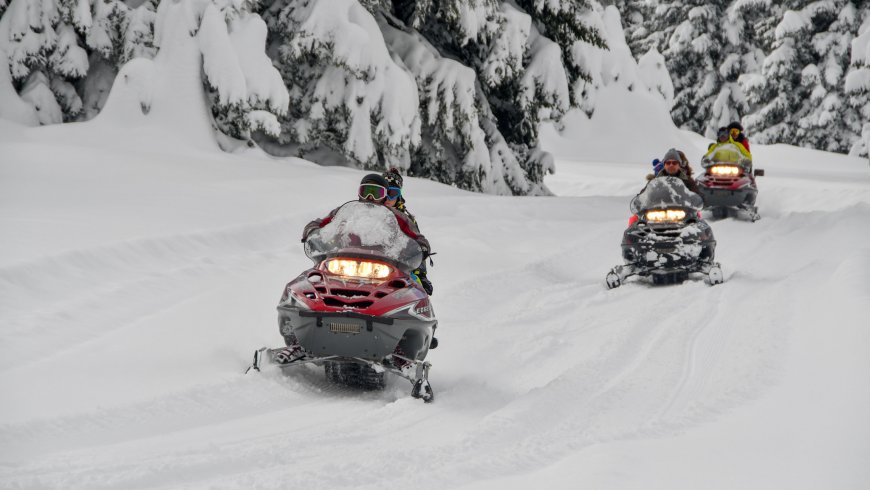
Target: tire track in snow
{"points": [[230, 399], [75, 302], [628, 348]]}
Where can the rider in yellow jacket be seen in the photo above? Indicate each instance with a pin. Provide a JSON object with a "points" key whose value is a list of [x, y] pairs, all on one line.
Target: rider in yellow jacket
{"points": [[724, 138]]}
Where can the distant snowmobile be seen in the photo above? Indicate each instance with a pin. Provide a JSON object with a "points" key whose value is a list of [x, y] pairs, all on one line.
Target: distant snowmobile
{"points": [[728, 183], [357, 311], [666, 237]]}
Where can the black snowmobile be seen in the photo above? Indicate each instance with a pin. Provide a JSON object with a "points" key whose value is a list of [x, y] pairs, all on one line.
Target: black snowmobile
{"points": [[358, 311], [666, 237]]}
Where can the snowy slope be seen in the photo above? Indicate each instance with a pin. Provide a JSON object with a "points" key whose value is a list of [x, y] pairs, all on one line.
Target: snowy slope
{"points": [[134, 285], [140, 267]]}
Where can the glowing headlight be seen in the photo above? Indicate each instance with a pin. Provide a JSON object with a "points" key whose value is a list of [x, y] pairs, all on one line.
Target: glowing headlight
{"points": [[358, 268], [665, 215], [725, 170]]}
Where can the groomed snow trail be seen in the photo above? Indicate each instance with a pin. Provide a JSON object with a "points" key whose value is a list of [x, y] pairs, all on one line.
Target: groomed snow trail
{"points": [[122, 357]]}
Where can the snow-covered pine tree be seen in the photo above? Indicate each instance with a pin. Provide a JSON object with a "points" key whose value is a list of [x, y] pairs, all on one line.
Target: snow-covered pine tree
{"points": [[451, 124], [704, 64], [42, 46], [743, 25], [482, 73], [773, 91], [245, 91], [488, 41], [827, 122], [750, 29], [647, 25], [857, 84], [351, 101], [526, 61], [645, 28], [52, 46], [706, 45], [798, 95], [119, 32]]}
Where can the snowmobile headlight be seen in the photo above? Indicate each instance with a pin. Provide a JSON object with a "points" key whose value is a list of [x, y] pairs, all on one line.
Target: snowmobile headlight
{"points": [[665, 215], [725, 170], [358, 268]]}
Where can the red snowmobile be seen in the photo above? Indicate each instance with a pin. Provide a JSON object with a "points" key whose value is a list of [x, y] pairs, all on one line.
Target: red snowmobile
{"points": [[728, 183], [358, 311]]}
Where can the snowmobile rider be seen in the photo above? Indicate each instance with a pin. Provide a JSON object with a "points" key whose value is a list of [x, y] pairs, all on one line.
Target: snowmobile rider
{"points": [[396, 200], [723, 137], [684, 162], [675, 164], [736, 132], [373, 188]]}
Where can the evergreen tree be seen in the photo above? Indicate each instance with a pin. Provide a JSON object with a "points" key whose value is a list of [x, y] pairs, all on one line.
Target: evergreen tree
{"points": [[774, 91], [707, 45], [482, 74], [350, 100], [44, 54], [525, 61], [245, 91], [857, 84], [119, 33], [827, 122], [51, 48], [645, 28], [498, 47], [799, 94], [705, 62]]}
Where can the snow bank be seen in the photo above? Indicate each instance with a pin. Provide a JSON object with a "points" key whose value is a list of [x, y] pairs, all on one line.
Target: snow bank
{"points": [[626, 126], [150, 278], [162, 100], [654, 73], [625, 99], [12, 106]]}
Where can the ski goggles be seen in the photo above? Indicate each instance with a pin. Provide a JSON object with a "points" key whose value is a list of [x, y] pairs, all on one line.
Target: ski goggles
{"points": [[372, 191], [394, 193]]}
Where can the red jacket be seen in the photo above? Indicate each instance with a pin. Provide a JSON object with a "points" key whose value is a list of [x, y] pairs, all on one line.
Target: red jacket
{"points": [[741, 138]]}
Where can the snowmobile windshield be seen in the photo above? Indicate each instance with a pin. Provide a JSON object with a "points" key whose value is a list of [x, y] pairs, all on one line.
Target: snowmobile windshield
{"points": [[727, 153], [666, 192], [364, 229]]}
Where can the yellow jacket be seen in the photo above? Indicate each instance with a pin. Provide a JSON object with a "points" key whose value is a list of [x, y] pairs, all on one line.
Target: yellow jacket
{"points": [[717, 145]]}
